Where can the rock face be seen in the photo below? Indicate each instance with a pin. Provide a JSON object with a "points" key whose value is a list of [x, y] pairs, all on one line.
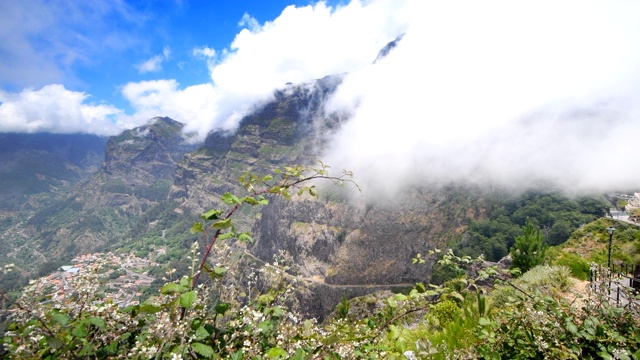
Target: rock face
{"points": [[135, 176], [365, 244], [339, 245], [141, 156], [282, 132]]}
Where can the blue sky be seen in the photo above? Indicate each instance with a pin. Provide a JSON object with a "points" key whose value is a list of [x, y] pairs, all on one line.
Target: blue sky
{"points": [[98, 46], [493, 91]]}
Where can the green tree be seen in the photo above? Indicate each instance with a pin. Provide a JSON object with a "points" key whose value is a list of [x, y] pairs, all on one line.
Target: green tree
{"points": [[528, 250]]}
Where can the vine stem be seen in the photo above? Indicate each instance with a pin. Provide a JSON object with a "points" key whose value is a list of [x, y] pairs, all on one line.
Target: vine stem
{"points": [[276, 189]]}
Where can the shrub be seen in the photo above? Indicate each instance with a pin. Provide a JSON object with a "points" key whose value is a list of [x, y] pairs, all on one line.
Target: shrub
{"points": [[580, 268], [547, 280]]}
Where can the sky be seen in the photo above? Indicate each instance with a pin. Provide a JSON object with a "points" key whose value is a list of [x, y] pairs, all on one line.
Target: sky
{"points": [[493, 92]]}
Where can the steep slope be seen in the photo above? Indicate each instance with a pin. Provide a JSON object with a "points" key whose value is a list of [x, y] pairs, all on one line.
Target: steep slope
{"points": [[135, 177], [343, 245], [36, 167], [287, 130], [37, 171]]}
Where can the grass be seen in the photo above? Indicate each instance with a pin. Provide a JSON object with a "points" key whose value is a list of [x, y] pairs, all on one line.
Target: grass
{"points": [[548, 280]]}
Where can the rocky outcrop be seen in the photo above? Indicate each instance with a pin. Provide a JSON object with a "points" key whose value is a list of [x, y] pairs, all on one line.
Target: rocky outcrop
{"points": [[135, 176], [143, 155], [285, 131], [365, 244]]}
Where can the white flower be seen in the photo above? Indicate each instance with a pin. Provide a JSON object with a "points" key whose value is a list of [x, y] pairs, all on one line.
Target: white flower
{"points": [[410, 355]]}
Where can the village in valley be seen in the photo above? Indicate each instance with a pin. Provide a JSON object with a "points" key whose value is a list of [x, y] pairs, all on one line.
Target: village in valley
{"points": [[124, 277]]}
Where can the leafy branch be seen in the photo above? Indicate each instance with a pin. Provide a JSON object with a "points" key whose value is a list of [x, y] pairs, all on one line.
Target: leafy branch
{"points": [[284, 182]]}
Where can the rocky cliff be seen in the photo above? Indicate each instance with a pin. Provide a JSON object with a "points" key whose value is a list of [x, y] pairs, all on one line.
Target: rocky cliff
{"points": [[344, 246]]}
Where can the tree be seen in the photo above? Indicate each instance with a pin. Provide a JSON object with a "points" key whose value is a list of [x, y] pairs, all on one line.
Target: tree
{"points": [[560, 232], [529, 249]]}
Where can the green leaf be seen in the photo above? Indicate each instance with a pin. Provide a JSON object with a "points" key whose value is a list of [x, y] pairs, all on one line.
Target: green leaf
{"points": [[219, 271], [149, 308], [202, 349], [392, 303], [276, 353], [60, 318], [456, 295], [172, 288], [80, 331], [222, 307], [249, 200], [226, 236], [229, 198], [266, 299], [299, 355], [394, 333], [187, 299], [285, 193], [98, 322], [245, 237], [112, 348], [202, 333], [267, 178], [211, 215], [484, 321], [54, 343], [401, 297], [222, 224], [196, 228], [265, 326]]}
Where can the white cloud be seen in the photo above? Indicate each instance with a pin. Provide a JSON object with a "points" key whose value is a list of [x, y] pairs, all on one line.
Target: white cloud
{"points": [[154, 64], [302, 44], [492, 91], [205, 51], [499, 92], [58, 110], [249, 22], [149, 99]]}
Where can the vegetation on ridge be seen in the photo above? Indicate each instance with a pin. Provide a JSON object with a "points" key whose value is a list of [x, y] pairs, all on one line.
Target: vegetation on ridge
{"points": [[208, 317]]}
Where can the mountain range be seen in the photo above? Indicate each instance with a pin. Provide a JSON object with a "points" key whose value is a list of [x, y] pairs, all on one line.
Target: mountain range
{"points": [[140, 191]]}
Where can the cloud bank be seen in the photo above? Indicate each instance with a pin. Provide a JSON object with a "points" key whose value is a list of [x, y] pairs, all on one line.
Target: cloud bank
{"points": [[501, 92], [302, 44], [57, 110]]}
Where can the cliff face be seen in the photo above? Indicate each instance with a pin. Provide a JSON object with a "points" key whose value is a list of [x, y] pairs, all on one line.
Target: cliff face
{"points": [[365, 244], [143, 155], [282, 132], [335, 241], [135, 176]]}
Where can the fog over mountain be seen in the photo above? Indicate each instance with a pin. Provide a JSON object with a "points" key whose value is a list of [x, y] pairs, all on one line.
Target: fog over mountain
{"points": [[494, 92], [501, 93]]}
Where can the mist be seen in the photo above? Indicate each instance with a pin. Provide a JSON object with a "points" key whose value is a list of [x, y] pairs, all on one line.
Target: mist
{"points": [[504, 93], [498, 93]]}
